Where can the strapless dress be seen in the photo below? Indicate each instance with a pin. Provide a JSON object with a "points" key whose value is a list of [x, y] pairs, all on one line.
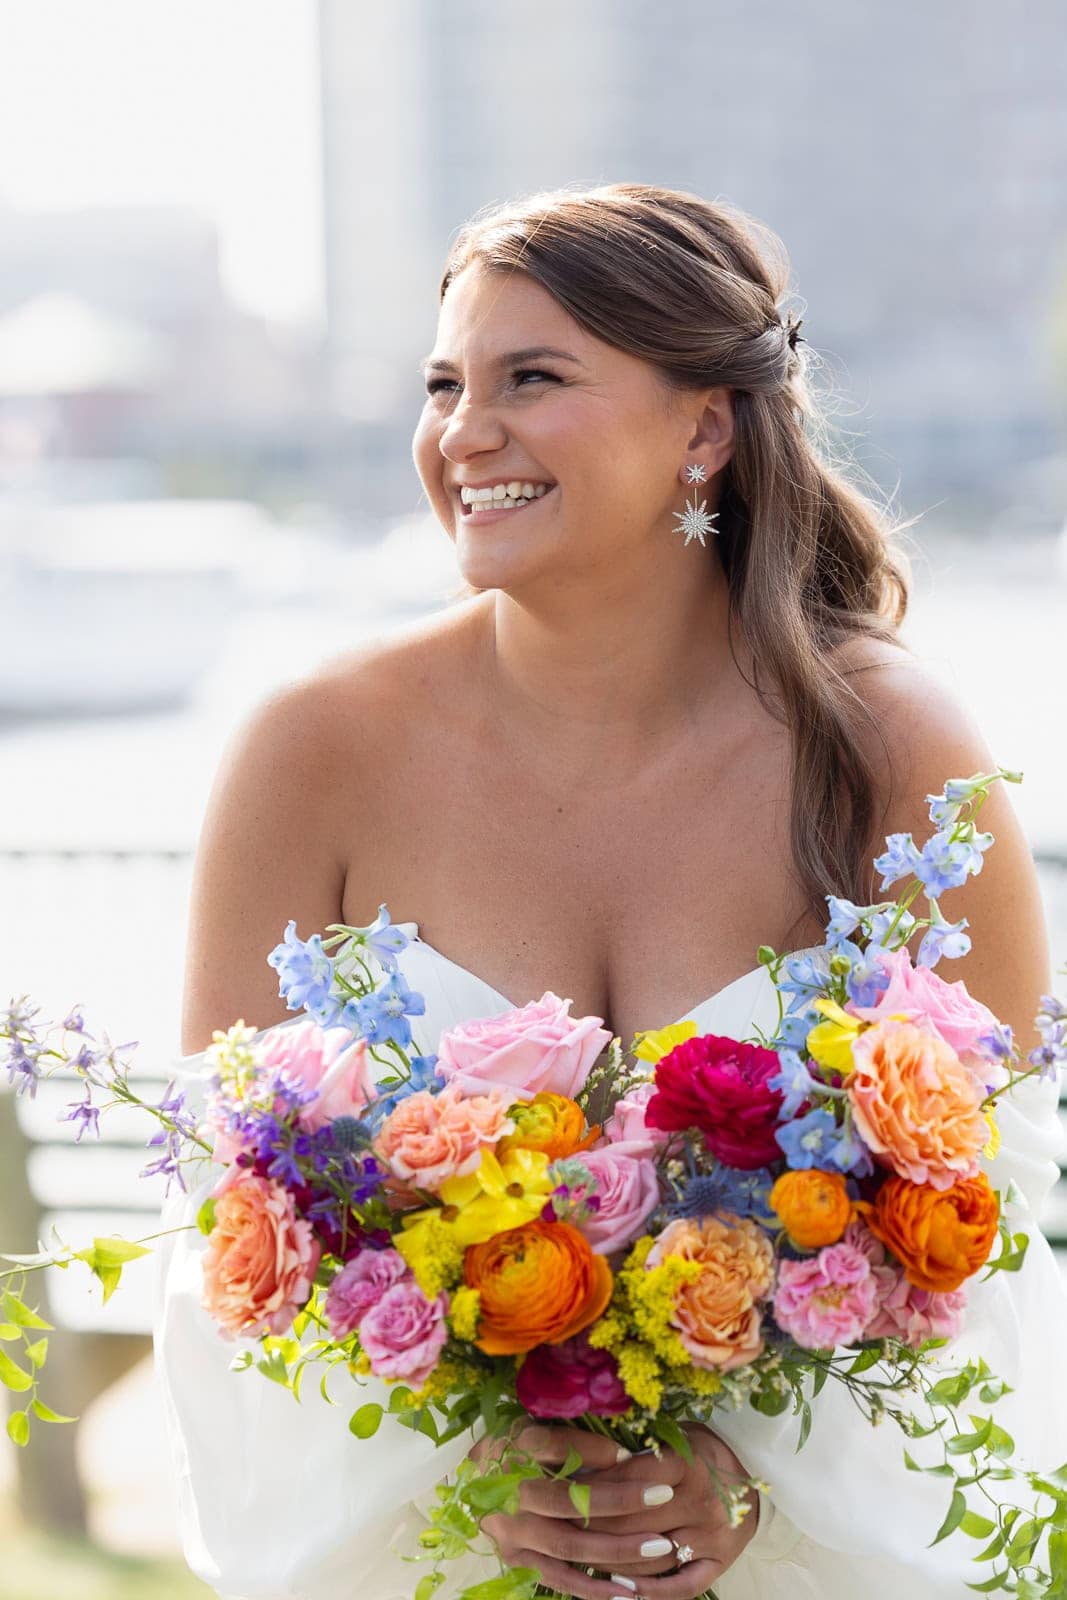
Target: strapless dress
{"points": [[278, 1501]]}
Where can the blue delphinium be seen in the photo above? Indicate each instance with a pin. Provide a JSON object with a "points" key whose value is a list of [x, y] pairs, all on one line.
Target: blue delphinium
{"points": [[866, 978], [942, 938], [845, 918], [899, 860], [947, 863], [805, 979], [423, 1076], [1051, 1054], [794, 1081], [817, 1141], [305, 976], [902, 925], [384, 939], [383, 1015]]}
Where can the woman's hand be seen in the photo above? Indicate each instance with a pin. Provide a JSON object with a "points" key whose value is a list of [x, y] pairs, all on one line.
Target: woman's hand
{"points": [[641, 1510]]}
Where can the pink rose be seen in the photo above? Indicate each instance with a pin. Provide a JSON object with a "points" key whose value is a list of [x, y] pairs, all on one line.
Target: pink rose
{"points": [[627, 1187], [523, 1051], [567, 1380], [359, 1286], [628, 1125], [320, 1060], [953, 1014], [431, 1137], [828, 1299], [902, 1311], [261, 1259], [405, 1332]]}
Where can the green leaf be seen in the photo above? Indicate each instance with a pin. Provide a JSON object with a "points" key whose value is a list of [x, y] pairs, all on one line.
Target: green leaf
{"points": [[18, 1428], [9, 1331], [113, 1252], [241, 1361], [572, 1463], [822, 1372], [38, 1352], [366, 1421], [426, 1585], [950, 1391], [966, 1443], [12, 1376], [667, 1429], [866, 1358], [205, 1217], [46, 1414], [976, 1527], [15, 1310], [956, 1513], [273, 1367], [579, 1496], [398, 1398], [520, 1583], [805, 1425], [1000, 1442]]}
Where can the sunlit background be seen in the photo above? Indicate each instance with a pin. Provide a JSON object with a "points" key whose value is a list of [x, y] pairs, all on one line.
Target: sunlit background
{"points": [[222, 224]]}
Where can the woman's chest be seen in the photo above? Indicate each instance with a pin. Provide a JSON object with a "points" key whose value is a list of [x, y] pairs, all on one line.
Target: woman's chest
{"points": [[637, 898]]}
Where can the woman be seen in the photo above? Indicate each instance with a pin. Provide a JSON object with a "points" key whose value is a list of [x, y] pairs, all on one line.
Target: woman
{"points": [[623, 762]]}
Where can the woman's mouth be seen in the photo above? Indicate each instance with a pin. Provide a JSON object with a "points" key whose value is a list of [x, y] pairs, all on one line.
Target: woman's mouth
{"points": [[490, 510]]}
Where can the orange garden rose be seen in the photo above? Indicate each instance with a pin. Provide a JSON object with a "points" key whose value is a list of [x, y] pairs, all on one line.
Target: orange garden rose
{"points": [[940, 1236], [717, 1314], [539, 1284], [915, 1104], [552, 1123], [814, 1206]]}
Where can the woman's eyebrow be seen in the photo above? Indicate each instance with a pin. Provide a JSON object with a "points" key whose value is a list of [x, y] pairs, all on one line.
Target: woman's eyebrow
{"points": [[533, 353]]}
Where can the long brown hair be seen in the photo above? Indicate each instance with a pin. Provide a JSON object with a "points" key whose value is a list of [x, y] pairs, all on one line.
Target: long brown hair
{"points": [[693, 287]]}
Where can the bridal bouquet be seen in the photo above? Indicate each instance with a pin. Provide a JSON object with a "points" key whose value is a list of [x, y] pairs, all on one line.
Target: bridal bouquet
{"points": [[533, 1223]]}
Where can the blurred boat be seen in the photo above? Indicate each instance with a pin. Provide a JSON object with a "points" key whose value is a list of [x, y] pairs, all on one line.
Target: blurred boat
{"points": [[120, 605]]}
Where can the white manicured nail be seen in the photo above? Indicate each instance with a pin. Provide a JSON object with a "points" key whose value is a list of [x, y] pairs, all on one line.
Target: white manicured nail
{"points": [[627, 1583], [657, 1494], [622, 1454], [655, 1547], [620, 1596]]}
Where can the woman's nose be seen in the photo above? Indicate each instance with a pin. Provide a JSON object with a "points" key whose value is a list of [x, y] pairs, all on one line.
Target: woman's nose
{"points": [[470, 428]]}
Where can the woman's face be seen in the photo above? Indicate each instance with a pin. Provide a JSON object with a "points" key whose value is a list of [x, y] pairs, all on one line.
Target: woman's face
{"points": [[590, 422]]}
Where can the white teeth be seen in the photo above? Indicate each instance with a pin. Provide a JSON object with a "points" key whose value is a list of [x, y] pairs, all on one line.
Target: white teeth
{"points": [[515, 493]]}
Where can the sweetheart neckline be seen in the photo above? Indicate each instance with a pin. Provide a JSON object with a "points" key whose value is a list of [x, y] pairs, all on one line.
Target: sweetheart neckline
{"points": [[687, 1016]]}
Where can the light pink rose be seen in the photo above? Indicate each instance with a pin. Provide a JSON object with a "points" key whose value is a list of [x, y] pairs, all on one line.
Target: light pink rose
{"points": [[828, 1299], [359, 1286], [627, 1124], [901, 1310], [953, 1014], [331, 1061], [405, 1332], [261, 1259], [523, 1051], [627, 1187], [431, 1137]]}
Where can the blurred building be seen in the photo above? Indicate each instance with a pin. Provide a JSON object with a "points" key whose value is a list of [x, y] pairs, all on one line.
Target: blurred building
{"points": [[911, 157]]}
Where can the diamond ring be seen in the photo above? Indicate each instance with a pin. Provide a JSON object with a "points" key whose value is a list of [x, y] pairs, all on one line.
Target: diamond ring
{"points": [[684, 1552]]}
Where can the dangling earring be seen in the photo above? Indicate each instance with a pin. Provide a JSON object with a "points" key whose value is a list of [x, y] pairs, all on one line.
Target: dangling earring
{"points": [[694, 521]]}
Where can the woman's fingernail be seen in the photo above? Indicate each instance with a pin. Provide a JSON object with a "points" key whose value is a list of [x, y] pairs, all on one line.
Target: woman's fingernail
{"points": [[655, 1547], [657, 1494], [622, 1454], [627, 1583]]}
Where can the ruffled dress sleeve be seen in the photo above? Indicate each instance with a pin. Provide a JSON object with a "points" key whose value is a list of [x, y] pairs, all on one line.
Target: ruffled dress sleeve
{"points": [[847, 1518]]}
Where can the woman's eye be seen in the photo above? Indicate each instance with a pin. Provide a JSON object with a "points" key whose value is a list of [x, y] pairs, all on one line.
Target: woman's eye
{"points": [[437, 384]]}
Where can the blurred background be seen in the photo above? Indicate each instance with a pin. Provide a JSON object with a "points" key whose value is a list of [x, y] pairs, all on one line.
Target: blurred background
{"points": [[221, 232]]}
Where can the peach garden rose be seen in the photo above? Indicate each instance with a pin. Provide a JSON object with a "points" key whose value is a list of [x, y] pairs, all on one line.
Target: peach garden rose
{"points": [[718, 1314]]}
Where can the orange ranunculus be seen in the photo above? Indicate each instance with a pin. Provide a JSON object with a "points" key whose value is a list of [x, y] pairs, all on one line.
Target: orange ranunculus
{"points": [[549, 1122], [940, 1236], [539, 1284], [814, 1206]]}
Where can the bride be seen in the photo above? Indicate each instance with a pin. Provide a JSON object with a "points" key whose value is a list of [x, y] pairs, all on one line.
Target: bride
{"points": [[653, 735]]}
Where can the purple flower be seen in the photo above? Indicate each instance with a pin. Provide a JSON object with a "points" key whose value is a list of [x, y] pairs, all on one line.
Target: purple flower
{"points": [[1051, 1054], [85, 1114]]}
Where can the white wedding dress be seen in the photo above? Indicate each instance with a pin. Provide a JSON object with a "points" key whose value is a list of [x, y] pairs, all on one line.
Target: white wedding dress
{"points": [[278, 1501]]}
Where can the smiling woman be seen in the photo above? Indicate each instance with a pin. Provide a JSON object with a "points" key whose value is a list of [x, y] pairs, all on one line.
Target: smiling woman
{"points": [[623, 763]]}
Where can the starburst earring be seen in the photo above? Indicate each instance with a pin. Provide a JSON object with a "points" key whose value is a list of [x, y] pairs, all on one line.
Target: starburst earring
{"points": [[695, 521]]}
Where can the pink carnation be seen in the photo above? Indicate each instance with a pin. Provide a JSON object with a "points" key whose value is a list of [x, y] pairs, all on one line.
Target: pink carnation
{"points": [[261, 1259], [405, 1332], [953, 1014], [902, 1311], [523, 1051], [627, 1187], [828, 1299], [330, 1062], [359, 1286], [567, 1380], [431, 1137]]}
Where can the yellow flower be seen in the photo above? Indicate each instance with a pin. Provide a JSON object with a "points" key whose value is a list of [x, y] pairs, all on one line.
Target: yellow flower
{"points": [[993, 1146], [654, 1044], [500, 1195], [464, 1311], [830, 1042], [432, 1251], [639, 1371]]}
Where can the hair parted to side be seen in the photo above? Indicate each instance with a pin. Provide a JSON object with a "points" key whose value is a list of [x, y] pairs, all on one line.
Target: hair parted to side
{"points": [[693, 287]]}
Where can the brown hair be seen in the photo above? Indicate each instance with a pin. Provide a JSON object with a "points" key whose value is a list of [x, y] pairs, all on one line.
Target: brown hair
{"points": [[692, 286]]}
